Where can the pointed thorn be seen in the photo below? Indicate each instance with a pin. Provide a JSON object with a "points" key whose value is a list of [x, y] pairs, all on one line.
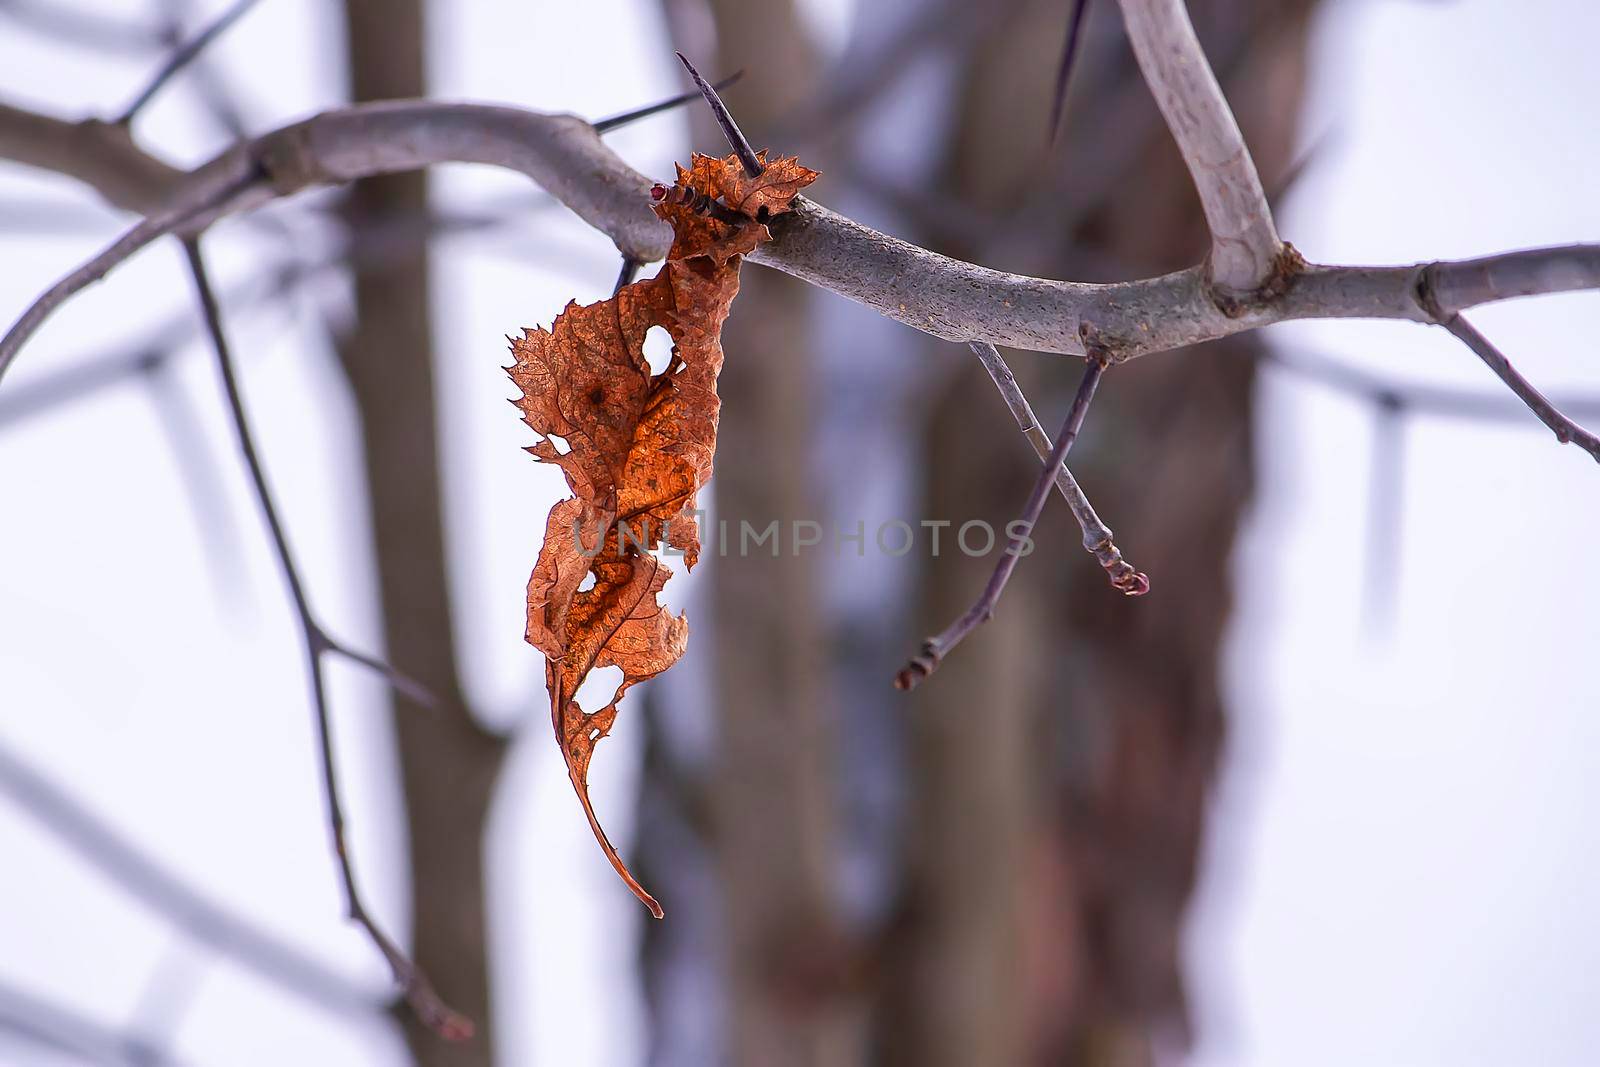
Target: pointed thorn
{"points": [[1069, 55], [730, 129]]}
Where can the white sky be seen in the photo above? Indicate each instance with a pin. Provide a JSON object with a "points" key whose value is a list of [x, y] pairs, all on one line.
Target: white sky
{"points": [[1402, 854]]}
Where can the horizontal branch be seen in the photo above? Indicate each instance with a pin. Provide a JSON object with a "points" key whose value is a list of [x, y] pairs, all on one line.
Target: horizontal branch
{"points": [[930, 292]]}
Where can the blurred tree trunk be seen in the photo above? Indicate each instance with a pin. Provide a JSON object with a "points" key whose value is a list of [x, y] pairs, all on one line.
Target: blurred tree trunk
{"points": [[448, 763], [1062, 758], [771, 796]]}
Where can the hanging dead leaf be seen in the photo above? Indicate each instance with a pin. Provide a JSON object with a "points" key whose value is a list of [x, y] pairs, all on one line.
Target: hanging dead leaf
{"points": [[638, 450]]}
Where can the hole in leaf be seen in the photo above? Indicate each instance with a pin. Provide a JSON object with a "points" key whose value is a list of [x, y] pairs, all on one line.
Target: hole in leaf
{"points": [[658, 349], [587, 583], [599, 689], [562, 448]]}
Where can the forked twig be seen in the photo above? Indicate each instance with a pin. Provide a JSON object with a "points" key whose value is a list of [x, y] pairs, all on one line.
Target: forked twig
{"points": [[414, 985], [1097, 536], [934, 649], [1566, 431]]}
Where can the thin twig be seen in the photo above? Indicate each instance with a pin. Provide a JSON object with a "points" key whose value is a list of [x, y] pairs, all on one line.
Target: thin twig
{"points": [[418, 991], [1566, 431], [185, 55], [1097, 536], [730, 129], [616, 122], [88, 375], [1069, 57], [92, 271], [934, 649]]}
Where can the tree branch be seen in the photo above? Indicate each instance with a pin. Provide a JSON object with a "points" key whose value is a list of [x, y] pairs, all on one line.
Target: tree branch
{"points": [[100, 154], [1566, 431], [1097, 536], [58, 1028], [933, 293], [934, 649], [210, 924], [1245, 249], [414, 985]]}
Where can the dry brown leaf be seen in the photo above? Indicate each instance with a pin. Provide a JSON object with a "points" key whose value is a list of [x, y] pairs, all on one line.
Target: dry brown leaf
{"points": [[638, 449]]}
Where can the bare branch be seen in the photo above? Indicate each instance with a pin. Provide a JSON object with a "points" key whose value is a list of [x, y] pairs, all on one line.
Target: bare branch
{"points": [[99, 154], [1245, 249], [934, 649], [207, 922], [1566, 431], [95, 269], [935, 294], [414, 985], [1495, 279], [59, 1028], [184, 55], [1097, 536]]}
